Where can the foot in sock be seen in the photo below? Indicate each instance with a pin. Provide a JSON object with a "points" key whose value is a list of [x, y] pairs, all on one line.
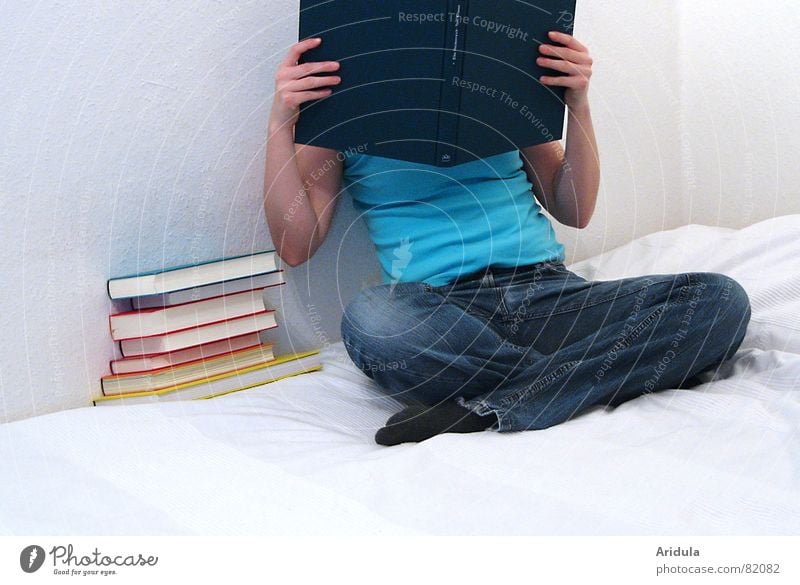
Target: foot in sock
{"points": [[419, 422]]}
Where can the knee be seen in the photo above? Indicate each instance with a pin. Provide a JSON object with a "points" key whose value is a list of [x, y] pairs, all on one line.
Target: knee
{"points": [[737, 297], [379, 330], [727, 299], [725, 293]]}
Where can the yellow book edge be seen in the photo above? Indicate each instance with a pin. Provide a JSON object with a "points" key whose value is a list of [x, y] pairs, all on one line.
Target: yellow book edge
{"points": [[313, 369], [278, 360]]}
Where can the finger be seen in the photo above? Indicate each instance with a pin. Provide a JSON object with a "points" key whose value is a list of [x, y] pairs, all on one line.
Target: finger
{"points": [[307, 83], [307, 96], [558, 65], [299, 71], [297, 49], [568, 40], [566, 54], [560, 80]]}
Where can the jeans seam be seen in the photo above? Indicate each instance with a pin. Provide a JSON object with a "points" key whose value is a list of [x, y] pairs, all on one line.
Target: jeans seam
{"points": [[636, 331], [482, 407], [575, 307], [521, 349], [478, 312], [502, 302], [498, 294], [558, 372], [471, 309], [537, 386]]}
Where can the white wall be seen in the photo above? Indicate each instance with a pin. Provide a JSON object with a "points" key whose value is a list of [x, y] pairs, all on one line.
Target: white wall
{"points": [[132, 138], [741, 96], [695, 107], [635, 97]]}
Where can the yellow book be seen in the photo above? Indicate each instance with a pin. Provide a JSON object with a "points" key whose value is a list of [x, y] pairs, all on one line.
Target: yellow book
{"points": [[281, 367], [201, 369]]}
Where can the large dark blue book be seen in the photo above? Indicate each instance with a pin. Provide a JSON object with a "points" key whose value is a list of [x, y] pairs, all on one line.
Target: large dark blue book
{"points": [[439, 82]]}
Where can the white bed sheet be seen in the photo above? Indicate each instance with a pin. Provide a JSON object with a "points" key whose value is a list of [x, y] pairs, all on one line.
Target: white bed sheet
{"points": [[298, 457]]}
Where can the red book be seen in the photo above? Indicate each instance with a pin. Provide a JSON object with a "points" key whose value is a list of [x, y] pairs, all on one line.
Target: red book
{"points": [[157, 321], [192, 336], [156, 361]]}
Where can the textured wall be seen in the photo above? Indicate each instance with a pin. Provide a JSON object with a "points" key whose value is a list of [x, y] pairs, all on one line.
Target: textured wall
{"points": [[132, 138], [635, 97], [741, 90]]}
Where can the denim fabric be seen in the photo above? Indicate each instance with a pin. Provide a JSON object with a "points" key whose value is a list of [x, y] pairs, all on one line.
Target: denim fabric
{"points": [[537, 345]]}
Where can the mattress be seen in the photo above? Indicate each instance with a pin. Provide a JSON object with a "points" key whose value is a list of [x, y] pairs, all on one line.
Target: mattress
{"points": [[298, 456]]}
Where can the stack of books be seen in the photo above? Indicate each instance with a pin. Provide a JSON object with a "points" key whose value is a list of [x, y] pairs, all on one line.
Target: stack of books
{"points": [[194, 332]]}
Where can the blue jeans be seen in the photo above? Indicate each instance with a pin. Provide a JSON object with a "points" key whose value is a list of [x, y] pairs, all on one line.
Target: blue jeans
{"points": [[537, 345]]}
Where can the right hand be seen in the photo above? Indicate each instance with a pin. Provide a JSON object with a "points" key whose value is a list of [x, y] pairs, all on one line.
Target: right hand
{"points": [[295, 84]]}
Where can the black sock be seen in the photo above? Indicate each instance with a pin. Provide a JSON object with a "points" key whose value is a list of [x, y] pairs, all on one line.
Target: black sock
{"points": [[417, 423]]}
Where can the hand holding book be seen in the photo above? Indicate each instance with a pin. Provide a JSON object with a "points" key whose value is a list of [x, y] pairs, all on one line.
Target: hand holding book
{"points": [[572, 59], [296, 84], [437, 83]]}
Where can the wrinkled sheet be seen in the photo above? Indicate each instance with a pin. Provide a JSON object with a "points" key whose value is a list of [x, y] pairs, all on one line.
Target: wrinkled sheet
{"points": [[297, 456]]}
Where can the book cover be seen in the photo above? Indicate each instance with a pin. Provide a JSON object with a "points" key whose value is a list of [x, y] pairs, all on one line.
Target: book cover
{"points": [[186, 372], [439, 83], [208, 291], [192, 336], [158, 321], [150, 362], [187, 276], [279, 368]]}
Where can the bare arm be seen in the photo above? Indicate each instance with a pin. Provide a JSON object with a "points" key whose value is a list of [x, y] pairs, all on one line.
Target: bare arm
{"points": [[567, 182], [300, 190], [301, 183]]}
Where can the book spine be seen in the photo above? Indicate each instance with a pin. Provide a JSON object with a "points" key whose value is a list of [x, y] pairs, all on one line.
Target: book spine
{"points": [[205, 325], [449, 98]]}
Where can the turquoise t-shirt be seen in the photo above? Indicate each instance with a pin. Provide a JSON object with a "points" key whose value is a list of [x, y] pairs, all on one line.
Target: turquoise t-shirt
{"points": [[433, 224]]}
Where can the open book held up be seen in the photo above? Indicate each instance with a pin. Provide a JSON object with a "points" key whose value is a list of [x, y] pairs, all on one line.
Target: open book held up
{"points": [[438, 82]]}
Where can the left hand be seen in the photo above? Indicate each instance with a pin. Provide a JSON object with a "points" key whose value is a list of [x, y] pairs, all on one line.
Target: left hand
{"points": [[571, 58]]}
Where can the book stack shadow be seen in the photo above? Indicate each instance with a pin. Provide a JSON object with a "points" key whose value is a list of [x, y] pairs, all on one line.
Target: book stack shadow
{"points": [[195, 332]]}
